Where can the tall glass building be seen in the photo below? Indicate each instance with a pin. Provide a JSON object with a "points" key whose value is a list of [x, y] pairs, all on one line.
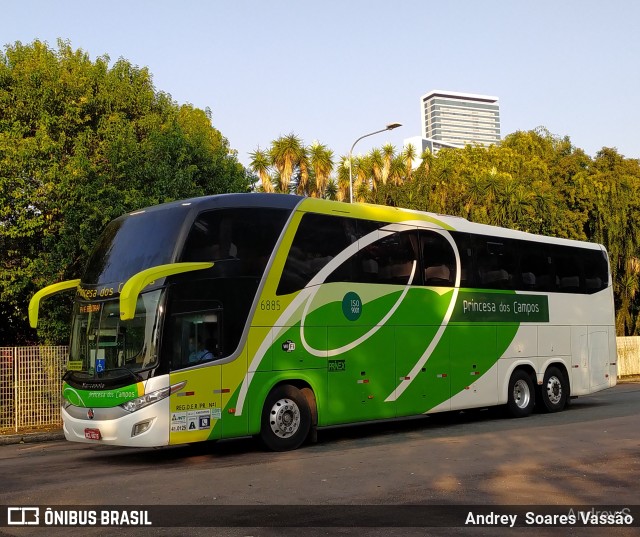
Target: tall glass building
{"points": [[460, 118]]}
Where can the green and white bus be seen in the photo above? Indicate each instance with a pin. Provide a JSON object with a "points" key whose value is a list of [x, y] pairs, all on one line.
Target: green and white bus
{"points": [[273, 315]]}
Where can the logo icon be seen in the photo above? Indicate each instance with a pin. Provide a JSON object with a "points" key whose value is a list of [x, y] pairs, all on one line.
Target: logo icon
{"points": [[288, 346], [352, 306], [23, 516], [90, 413]]}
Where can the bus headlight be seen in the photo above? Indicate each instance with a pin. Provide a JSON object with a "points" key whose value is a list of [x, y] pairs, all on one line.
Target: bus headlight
{"points": [[152, 397]]}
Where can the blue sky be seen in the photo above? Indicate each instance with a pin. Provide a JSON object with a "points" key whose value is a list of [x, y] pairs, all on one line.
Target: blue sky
{"points": [[334, 70]]}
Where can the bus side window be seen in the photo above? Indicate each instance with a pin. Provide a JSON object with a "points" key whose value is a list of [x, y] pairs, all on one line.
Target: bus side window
{"points": [[567, 268], [438, 259], [195, 338], [495, 262], [318, 240], [390, 260], [535, 267], [596, 275], [465, 251]]}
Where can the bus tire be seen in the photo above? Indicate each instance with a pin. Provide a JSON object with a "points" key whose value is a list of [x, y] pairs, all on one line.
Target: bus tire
{"points": [[521, 399], [554, 391], [286, 419]]}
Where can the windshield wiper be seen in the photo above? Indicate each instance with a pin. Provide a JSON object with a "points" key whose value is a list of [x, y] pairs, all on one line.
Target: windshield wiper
{"points": [[131, 373]]}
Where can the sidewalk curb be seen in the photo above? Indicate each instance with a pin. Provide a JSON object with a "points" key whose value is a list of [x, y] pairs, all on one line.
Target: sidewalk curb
{"points": [[27, 438]]}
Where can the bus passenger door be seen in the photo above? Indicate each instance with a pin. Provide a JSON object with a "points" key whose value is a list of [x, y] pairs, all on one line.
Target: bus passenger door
{"points": [[196, 407]]}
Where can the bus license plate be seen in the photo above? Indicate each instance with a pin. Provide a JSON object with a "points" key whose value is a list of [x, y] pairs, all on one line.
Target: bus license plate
{"points": [[92, 434]]}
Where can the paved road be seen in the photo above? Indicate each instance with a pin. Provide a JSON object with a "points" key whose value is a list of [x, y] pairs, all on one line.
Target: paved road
{"points": [[589, 454]]}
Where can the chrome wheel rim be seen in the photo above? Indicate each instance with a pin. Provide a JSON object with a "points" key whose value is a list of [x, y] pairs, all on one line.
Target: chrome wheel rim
{"points": [[554, 390], [521, 394], [284, 418]]}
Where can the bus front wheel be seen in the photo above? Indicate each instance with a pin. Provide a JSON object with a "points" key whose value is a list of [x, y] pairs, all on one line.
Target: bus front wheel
{"points": [[554, 390], [286, 419], [521, 394]]}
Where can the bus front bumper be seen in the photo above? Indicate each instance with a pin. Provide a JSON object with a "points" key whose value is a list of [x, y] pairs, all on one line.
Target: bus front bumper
{"points": [[147, 427]]}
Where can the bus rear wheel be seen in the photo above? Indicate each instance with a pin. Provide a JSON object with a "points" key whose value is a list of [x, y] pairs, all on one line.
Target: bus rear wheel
{"points": [[554, 390], [521, 398], [286, 419]]}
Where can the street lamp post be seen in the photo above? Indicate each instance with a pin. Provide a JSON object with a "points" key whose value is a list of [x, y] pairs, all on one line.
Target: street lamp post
{"points": [[389, 127]]}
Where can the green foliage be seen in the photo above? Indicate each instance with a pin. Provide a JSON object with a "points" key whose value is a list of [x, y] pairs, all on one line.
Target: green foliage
{"points": [[82, 142]]}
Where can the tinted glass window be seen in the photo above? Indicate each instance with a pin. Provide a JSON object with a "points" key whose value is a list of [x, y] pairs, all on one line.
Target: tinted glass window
{"points": [[133, 243], [438, 259], [318, 240], [239, 241], [391, 260], [596, 270], [388, 260], [495, 262], [567, 268], [536, 272], [467, 275], [195, 338]]}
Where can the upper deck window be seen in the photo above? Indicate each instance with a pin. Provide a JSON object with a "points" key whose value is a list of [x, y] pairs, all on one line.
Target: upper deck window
{"points": [[318, 240], [239, 239]]}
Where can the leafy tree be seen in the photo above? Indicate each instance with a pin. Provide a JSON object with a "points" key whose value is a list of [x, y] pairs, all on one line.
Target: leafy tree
{"points": [[261, 164], [82, 142]]}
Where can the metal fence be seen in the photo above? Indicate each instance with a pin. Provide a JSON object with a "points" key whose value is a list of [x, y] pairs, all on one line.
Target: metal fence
{"points": [[31, 386]]}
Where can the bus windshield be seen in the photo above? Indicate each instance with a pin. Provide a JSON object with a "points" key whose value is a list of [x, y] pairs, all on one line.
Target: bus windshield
{"points": [[135, 242], [103, 345]]}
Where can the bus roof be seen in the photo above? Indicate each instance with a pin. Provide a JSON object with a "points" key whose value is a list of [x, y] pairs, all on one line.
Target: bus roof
{"points": [[203, 203], [357, 210], [453, 223]]}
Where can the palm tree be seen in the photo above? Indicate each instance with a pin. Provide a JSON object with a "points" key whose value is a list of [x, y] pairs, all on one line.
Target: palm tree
{"points": [[343, 179], [332, 190], [260, 164], [409, 155], [303, 177], [427, 159], [286, 153], [377, 163], [321, 160], [364, 179], [388, 152], [397, 171], [476, 190]]}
